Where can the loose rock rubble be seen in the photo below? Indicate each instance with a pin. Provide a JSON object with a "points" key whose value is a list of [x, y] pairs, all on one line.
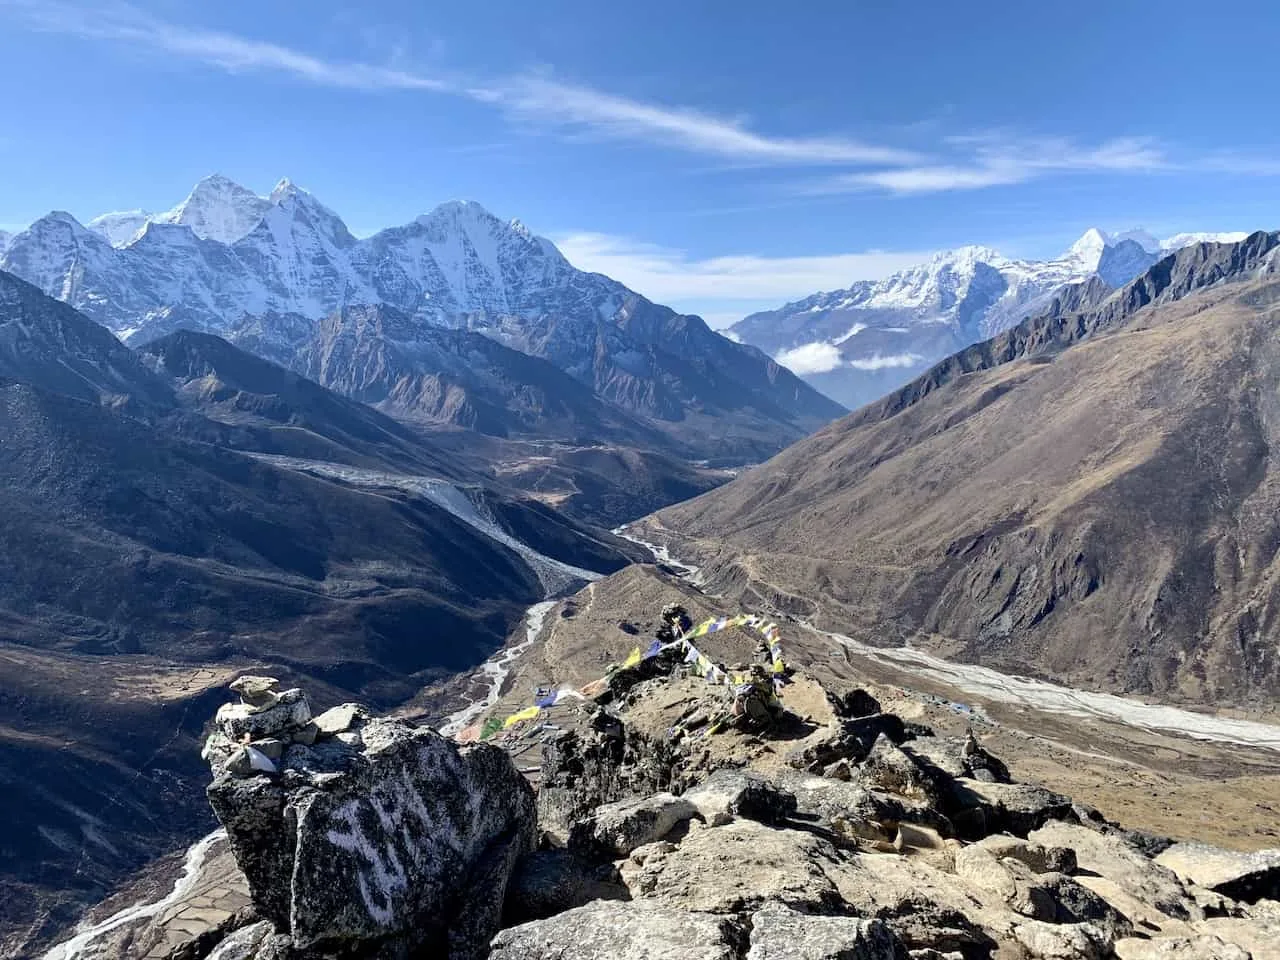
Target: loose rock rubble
{"points": [[841, 834]]}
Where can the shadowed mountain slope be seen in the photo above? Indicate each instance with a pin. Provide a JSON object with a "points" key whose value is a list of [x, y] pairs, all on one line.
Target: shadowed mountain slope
{"points": [[152, 547]]}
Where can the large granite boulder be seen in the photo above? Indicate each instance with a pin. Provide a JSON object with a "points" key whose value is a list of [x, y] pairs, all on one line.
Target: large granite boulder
{"points": [[1142, 889], [378, 839], [736, 867], [727, 794], [602, 761], [615, 829], [552, 881]]}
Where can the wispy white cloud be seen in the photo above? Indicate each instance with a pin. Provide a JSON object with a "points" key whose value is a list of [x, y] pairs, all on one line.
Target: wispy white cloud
{"points": [[966, 163], [878, 361], [691, 129], [998, 160], [671, 276], [811, 358], [230, 52], [543, 99], [1243, 163], [823, 357]]}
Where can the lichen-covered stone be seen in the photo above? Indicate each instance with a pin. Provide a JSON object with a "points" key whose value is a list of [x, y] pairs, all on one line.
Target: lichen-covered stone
{"points": [[615, 829], [735, 793], [289, 710]]}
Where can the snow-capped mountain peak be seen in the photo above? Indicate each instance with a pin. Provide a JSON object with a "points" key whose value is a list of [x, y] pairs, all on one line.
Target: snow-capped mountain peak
{"points": [[1142, 238], [120, 227], [964, 257], [876, 334], [219, 209], [1087, 251], [284, 188]]}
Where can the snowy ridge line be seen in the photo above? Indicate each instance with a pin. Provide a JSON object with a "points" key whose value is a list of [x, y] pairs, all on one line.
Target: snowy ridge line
{"points": [[554, 575], [74, 948], [496, 669], [1037, 694]]}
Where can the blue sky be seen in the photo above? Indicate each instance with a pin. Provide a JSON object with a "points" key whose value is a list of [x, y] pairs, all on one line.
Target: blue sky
{"points": [[717, 156]]}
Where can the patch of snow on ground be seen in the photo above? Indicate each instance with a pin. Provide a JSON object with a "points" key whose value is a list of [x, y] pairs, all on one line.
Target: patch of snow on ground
{"points": [[853, 331]]}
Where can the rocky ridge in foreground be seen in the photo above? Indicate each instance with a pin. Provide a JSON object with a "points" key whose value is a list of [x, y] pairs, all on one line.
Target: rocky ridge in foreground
{"points": [[839, 832]]}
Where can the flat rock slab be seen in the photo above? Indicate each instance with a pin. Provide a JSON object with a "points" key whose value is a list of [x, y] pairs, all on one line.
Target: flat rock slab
{"points": [[736, 867], [1203, 947], [1133, 874], [727, 794], [1247, 877], [780, 933], [339, 719], [634, 931]]}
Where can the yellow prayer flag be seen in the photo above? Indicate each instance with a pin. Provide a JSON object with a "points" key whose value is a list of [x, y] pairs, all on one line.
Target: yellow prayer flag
{"points": [[528, 713]]}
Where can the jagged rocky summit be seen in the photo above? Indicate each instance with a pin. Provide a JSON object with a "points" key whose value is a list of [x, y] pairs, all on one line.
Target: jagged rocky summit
{"points": [[838, 832]]}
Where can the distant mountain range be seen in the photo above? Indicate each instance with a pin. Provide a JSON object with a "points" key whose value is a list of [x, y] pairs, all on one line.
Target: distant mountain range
{"points": [[1090, 495], [271, 272], [859, 343]]}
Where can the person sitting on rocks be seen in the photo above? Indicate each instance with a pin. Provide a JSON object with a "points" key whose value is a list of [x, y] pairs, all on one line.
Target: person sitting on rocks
{"points": [[676, 622], [752, 705], [755, 702]]}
